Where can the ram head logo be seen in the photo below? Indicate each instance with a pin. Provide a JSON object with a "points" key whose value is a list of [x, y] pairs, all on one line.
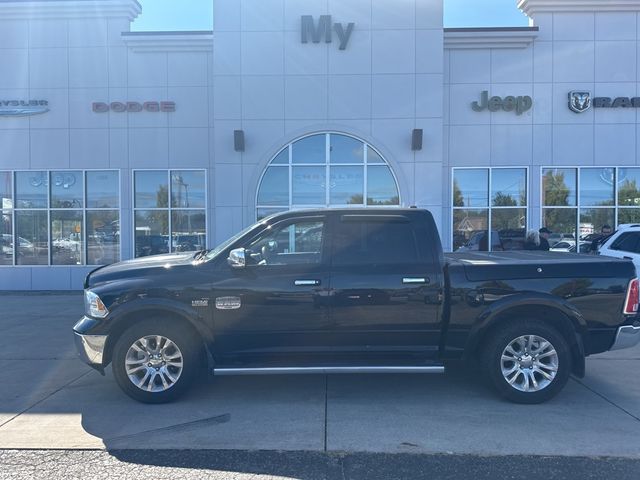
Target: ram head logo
{"points": [[579, 101]]}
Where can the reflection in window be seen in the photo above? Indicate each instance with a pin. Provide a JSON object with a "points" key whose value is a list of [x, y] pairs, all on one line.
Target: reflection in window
{"points": [[176, 226], [103, 237], [606, 197], [66, 189], [507, 212], [67, 239], [32, 237], [326, 170], [6, 197], [56, 218], [6, 238], [32, 189], [298, 243]]}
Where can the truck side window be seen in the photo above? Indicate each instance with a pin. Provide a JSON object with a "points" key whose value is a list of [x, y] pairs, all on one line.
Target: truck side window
{"points": [[372, 242], [627, 242], [294, 243]]}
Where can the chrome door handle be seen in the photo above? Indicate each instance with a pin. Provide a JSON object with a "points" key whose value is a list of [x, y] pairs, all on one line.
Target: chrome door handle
{"points": [[415, 280], [307, 283]]}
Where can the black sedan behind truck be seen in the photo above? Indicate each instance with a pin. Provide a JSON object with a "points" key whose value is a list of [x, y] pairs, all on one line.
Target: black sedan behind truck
{"points": [[354, 291]]}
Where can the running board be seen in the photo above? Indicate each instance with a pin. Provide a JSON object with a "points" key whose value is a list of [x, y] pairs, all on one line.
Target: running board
{"points": [[325, 370]]}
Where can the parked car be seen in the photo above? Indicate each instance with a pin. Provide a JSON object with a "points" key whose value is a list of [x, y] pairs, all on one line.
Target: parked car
{"points": [[354, 291], [559, 237], [624, 243], [570, 246]]}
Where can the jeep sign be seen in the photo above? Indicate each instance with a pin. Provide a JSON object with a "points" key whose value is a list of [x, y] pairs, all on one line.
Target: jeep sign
{"points": [[518, 104], [134, 107]]}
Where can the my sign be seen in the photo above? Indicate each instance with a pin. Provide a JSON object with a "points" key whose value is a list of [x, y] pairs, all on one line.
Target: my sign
{"points": [[518, 104], [324, 30]]}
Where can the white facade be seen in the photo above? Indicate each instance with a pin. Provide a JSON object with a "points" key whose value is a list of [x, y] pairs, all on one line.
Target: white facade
{"points": [[399, 71]]}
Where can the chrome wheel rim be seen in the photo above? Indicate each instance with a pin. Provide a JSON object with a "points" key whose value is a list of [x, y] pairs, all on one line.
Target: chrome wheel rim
{"points": [[529, 363], [154, 363]]}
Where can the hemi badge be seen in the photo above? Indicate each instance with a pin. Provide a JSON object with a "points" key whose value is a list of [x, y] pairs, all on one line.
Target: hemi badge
{"points": [[228, 303], [200, 303]]}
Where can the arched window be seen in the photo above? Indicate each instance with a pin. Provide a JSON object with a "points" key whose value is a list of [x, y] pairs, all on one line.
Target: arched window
{"points": [[326, 170]]}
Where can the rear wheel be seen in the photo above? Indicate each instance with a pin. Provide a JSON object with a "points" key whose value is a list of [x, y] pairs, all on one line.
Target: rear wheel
{"points": [[527, 362], [155, 361]]}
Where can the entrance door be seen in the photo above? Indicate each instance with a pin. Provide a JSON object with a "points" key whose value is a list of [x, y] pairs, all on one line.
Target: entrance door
{"points": [[385, 286], [275, 308]]}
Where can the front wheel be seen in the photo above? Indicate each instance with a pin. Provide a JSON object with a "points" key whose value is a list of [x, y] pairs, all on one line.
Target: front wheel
{"points": [[155, 361], [527, 362]]}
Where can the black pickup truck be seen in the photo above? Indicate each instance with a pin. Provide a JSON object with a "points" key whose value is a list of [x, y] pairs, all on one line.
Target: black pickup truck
{"points": [[354, 291]]}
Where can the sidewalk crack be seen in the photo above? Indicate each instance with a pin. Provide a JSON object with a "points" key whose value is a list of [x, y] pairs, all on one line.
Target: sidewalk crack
{"points": [[607, 400]]}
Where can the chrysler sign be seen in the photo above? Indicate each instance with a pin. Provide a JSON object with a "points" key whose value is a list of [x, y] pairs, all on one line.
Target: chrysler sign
{"points": [[23, 108], [323, 31], [134, 107]]}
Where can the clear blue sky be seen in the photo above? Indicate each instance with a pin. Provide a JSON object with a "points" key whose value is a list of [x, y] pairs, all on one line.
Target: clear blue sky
{"points": [[198, 14]]}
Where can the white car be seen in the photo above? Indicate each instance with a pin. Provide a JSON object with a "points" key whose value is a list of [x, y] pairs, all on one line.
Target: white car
{"points": [[624, 243]]}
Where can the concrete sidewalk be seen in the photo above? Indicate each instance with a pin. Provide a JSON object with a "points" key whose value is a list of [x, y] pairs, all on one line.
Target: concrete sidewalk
{"points": [[49, 399]]}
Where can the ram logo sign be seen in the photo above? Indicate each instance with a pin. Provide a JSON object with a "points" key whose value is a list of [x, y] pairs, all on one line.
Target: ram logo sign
{"points": [[579, 101]]}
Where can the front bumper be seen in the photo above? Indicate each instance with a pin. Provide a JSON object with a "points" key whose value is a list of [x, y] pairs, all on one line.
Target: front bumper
{"points": [[628, 336], [91, 348]]}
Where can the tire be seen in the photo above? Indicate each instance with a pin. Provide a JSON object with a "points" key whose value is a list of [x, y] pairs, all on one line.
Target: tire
{"points": [[537, 375], [161, 374]]}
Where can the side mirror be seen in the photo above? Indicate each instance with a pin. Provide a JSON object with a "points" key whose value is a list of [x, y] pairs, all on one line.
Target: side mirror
{"points": [[237, 258]]}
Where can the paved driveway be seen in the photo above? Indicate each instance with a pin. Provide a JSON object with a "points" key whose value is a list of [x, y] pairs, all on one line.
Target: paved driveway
{"points": [[49, 399]]}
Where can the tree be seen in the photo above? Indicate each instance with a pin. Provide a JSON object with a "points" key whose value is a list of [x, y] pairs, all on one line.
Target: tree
{"points": [[629, 195], [556, 193], [458, 199], [502, 200]]}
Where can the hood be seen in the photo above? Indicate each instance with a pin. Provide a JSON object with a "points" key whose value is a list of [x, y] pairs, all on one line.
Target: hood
{"points": [[139, 267]]}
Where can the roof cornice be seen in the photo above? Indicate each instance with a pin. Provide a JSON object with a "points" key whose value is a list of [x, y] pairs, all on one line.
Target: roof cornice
{"points": [[197, 41], [44, 9], [531, 7], [472, 38]]}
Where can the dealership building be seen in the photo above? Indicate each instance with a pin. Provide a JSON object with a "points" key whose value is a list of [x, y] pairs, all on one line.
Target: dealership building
{"points": [[118, 144]]}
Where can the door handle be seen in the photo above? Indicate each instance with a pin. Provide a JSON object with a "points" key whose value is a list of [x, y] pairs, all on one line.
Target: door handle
{"points": [[307, 283], [415, 280]]}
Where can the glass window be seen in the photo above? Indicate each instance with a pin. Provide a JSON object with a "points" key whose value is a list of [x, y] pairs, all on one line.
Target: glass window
{"points": [[66, 190], [593, 219], [381, 187], [597, 187], [373, 156], [282, 158], [339, 177], [629, 187], [508, 228], [32, 189], [188, 189], [470, 230], [151, 189], [559, 187], [363, 241], [471, 188], [509, 187], [267, 212], [178, 226], [102, 189], [309, 185], [297, 243], [103, 237], [152, 232], [32, 237], [188, 230], [347, 186], [6, 239], [67, 240], [6, 197], [561, 221], [346, 149], [310, 149], [274, 189], [627, 242], [628, 215]]}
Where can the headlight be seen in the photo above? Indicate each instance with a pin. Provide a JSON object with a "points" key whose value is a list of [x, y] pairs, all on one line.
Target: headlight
{"points": [[93, 305]]}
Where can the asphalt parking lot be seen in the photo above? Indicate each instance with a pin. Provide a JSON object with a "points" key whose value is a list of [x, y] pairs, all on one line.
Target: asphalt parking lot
{"points": [[50, 400]]}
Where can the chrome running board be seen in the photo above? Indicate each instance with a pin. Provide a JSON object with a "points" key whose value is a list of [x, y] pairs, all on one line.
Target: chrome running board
{"points": [[325, 370]]}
